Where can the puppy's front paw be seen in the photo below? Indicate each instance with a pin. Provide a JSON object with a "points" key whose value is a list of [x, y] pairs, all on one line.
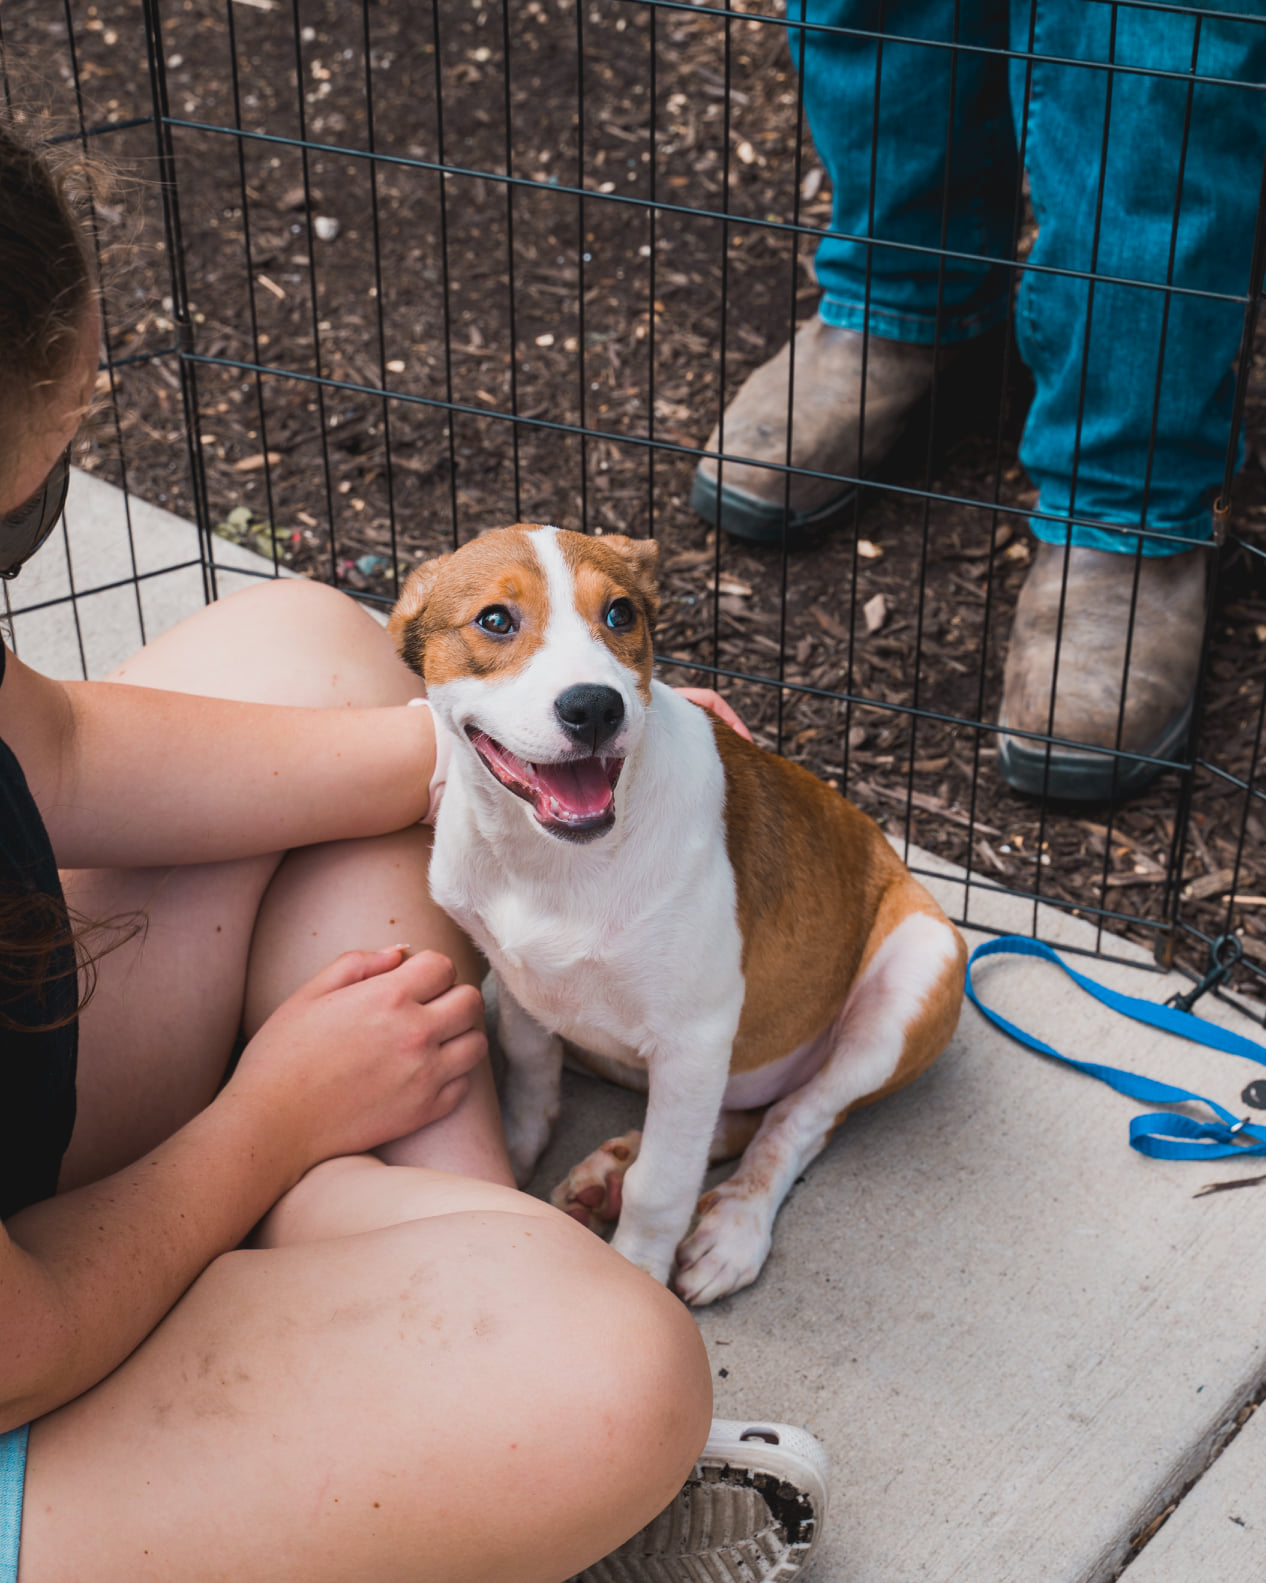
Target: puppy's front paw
{"points": [[726, 1249], [593, 1191], [650, 1253]]}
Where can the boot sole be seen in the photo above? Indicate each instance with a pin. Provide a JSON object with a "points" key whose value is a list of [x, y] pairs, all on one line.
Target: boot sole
{"points": [[1084, 775], [745, 516]]}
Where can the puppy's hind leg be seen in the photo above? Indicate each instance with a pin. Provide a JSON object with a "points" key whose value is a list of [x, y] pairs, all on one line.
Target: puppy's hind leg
{"points": [[593, 1191], [899, 1016], [530, 1092]]}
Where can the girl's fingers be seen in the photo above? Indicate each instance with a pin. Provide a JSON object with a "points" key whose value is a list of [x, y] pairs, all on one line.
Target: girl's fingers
{"points": [[427, 975], [448, 1098], [353, 967], [715, 704], [455, 1014], [464, 1053]]}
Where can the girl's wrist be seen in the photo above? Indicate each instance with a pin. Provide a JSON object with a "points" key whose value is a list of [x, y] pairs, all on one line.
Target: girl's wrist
{"points": [[442, 752], [262, 1134]]}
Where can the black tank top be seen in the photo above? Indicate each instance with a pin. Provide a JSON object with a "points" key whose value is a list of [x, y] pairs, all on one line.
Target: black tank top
{"points": [[37, 1063]]}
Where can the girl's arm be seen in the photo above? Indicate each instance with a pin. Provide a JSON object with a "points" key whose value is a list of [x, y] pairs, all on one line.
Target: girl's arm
{"points": [[370, 1049], [130, 777]]}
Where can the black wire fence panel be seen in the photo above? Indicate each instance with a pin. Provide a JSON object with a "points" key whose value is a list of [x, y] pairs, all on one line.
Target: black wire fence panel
{"points": [[382, 275]]}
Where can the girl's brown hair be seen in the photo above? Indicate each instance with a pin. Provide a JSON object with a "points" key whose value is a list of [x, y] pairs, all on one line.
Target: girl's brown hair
{"points": [[34, 928], [46, 287], [46, 283]]}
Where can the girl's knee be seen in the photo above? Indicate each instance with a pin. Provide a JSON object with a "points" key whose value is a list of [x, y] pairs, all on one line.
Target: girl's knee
{"points": [[296, 602], [649, 1380], [288, 641], [330, 649], [345, 656], [673, 1374], [637, 1400]]}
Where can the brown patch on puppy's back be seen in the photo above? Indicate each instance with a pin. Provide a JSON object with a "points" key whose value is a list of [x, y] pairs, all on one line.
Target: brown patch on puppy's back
{"points": [[811, 871], [433, 621]]}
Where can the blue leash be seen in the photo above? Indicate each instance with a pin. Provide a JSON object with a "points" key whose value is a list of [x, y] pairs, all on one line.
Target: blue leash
{"points": [[1160, 1134]]}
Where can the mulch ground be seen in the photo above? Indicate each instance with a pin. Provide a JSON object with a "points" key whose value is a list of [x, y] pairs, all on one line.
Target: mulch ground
{"points": [[504, 298]]}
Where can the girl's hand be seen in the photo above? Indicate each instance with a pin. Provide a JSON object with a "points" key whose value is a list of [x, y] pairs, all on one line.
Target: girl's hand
{"points": [[375, 1046], [715, 704]]}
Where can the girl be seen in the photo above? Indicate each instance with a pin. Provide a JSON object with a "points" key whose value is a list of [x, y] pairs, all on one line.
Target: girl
{"points": [[406, 1369]]}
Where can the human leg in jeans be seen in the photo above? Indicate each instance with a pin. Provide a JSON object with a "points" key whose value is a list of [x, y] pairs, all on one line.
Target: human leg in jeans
{"points": [[1146, 178], [918, 141]]}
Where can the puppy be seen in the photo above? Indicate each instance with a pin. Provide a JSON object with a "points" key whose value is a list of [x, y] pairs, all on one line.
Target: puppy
{"points": [[698, 918]]}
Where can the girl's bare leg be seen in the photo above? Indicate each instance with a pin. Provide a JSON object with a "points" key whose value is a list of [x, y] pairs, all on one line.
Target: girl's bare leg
{"points": [[412, 1375], [473, 1396], [334, 898], [229, 941]]}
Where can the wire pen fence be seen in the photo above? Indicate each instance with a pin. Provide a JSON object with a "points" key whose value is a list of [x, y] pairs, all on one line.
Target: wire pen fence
{"points": [[382, 275]]}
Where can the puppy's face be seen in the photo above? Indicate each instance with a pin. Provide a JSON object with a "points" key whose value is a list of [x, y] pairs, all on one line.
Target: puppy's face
{"points": [[535, 646]]}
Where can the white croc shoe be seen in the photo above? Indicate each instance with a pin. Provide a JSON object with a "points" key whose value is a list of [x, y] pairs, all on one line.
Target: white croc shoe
{"points": [[750, 1512]]}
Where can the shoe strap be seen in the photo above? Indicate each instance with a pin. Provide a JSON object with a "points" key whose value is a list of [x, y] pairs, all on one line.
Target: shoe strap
{"points": [[1160, 1134]]}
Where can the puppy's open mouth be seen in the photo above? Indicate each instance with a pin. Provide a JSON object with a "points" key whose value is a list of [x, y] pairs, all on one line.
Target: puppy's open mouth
{"points": [[574, 798]]}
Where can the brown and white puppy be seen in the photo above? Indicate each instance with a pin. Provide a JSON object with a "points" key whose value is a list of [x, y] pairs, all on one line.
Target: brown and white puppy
{"points": [[709, 923]]}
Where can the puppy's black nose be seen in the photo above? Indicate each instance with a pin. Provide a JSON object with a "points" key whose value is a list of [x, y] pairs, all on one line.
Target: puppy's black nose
{"points": [[590, 714]]}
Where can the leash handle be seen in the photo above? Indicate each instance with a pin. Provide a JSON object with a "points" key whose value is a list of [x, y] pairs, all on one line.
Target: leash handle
{"points": [[1160, 1134]]}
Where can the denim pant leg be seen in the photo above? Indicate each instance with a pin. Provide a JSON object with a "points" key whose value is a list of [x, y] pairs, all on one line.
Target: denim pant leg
{"points": [[1131, 419], [884, 117]]}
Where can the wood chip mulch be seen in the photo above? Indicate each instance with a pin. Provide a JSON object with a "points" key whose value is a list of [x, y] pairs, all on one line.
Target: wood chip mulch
{"points": [[402, 276]]}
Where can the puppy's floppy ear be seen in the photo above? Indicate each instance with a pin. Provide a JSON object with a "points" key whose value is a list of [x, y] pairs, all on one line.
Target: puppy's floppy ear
{"points": [[642, 557], [405, 621]]}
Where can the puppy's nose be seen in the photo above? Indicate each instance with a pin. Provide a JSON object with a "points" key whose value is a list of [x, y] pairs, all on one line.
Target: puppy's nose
{"points": [[590, 714]]}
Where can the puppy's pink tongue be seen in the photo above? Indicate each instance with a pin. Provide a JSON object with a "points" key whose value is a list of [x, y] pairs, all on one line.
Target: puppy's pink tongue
{"points": [[577, 789]]}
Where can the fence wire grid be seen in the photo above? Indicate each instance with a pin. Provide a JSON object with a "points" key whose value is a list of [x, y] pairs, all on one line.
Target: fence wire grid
{"points": [[382, 275]]}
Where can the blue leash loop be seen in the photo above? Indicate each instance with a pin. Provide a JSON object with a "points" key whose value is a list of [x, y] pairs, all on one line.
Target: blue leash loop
{"points": [[1160, 1134]]}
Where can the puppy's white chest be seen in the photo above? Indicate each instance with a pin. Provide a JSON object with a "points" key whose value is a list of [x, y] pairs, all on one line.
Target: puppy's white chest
{"points": [[568, 979], [610, 946], [527, 933]]}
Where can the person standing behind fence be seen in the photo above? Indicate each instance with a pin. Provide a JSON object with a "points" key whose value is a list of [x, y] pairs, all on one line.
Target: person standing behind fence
{"points": [[1136, 175], [405, 1369]]}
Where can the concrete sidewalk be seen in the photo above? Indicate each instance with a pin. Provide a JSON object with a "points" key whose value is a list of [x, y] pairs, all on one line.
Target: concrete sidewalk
{"points": [[105, 540], [1020, 1341]]}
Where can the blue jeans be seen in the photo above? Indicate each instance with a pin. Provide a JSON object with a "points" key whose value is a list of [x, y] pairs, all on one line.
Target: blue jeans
{"points": [[1131, 418]]}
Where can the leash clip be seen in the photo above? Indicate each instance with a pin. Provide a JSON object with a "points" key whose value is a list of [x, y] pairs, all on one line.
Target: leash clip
{"points": [[1238, 1127], [1224, 953], [1221, 519]]}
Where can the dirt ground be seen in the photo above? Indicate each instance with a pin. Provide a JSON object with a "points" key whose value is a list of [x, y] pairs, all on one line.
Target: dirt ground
{"points": [[519, 299]]}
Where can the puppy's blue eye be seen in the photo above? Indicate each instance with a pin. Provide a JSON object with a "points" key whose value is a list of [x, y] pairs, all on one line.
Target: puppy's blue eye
{"points": [[620, 615], [497, 620]]}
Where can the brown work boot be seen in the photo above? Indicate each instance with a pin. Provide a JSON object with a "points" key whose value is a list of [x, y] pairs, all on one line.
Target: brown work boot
{"points": [[826, 420], [1164, 656]]}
